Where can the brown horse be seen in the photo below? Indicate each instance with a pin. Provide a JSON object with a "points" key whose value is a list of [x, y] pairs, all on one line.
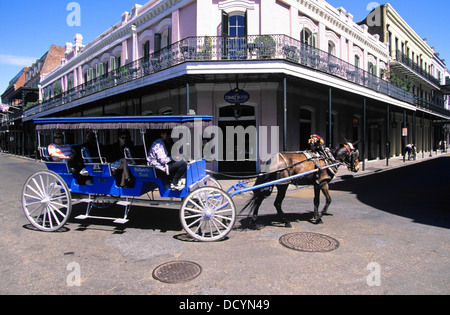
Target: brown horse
{"points": [[290, 164]]}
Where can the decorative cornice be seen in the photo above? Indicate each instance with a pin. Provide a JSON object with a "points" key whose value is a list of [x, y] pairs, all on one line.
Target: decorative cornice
{"points": [[314, 10], [236, 5]]}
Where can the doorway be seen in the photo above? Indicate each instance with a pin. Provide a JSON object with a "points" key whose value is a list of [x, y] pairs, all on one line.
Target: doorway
{"points": [[306, 119], [374, 141], [244, 149]]}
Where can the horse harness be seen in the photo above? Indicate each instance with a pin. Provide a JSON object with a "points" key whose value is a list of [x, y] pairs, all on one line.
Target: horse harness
{"points": [[310, 156], [353, 156]]}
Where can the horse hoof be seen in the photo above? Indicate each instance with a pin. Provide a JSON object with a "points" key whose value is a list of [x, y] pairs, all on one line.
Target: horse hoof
{"points": [[288, 225], [316, 221], [254, 226]]}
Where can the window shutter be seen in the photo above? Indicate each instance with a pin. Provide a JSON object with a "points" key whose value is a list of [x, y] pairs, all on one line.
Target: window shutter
{"points": [[112, 62], [225, 18], [246, 24], [157, 42], [225, 26]]}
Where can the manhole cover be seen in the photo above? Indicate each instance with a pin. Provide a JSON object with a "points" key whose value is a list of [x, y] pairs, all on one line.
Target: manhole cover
{"points": [[177, 272], [309, 242]]}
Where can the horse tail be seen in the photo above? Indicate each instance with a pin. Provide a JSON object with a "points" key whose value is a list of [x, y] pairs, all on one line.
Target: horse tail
{"points": [[250, 203], [261, 192]]}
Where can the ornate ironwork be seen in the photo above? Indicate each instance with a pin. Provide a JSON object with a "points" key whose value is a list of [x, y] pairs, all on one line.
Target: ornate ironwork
{"points": [[217, 48]]}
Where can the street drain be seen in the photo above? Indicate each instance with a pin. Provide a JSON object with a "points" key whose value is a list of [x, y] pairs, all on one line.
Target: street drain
{"points": [[309, 242], [177, 272]]}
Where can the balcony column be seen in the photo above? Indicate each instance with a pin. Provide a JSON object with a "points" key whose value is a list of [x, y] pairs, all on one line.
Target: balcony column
{"points": [[342, 46], [75, 77], [40, 93], [175, 26], [134, 43], [322, 40], [124, 54], [365, 133], [350, 56], [284, 114], [388, 134], [330, 119]]}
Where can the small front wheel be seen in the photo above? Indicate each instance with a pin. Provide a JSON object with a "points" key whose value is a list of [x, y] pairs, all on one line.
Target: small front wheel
{"points": [[46, 201], [208, 214]]}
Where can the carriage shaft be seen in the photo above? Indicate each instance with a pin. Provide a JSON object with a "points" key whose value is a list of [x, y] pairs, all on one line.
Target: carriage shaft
{"points": [[282, 180]]}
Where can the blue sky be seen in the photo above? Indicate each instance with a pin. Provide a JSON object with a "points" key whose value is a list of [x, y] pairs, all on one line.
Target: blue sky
{"points": [[29, 27]]}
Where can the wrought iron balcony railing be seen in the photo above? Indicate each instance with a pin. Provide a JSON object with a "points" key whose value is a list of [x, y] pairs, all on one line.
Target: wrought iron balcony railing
{"points": [[209, 48], [404, 59]]}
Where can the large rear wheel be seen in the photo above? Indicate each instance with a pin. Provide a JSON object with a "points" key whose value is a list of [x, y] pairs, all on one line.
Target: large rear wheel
{"points": [[46, 201], [208, 214]]}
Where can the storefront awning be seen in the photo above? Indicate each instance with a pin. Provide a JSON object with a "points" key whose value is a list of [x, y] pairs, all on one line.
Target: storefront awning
{"points": [[122, 122]]}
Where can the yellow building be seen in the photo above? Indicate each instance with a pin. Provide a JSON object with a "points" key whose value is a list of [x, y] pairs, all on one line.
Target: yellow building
{"points": [[411, 67]]}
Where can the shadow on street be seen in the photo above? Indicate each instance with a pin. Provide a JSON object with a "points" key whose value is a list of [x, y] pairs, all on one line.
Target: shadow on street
{"points": [[420, 192]]}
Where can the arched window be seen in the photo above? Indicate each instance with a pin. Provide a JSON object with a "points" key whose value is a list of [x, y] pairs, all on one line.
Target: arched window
{"points": [[372, 69], [234, 29], [146, 50], [357, 61], [331, 48], [307, 37], [236, 25]]}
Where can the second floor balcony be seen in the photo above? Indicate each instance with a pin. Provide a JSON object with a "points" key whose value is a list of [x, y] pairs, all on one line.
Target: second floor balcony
{"points": [[416, 68], [226, 49]]}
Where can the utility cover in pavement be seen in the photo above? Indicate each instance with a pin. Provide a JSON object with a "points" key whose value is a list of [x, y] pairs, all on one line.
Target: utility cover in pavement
{"points": [[309, 242], [177, 272]]}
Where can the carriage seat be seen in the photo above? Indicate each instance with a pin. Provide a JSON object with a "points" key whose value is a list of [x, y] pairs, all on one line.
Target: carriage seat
{"points": [[135, 155], [44, 154]]}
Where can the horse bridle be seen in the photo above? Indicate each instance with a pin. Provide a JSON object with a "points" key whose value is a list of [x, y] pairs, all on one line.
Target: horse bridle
{"points": [[354, 154]]}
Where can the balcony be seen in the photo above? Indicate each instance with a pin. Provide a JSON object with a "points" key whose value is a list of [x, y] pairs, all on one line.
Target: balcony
{"points": [[416, 68], [226, 49]]}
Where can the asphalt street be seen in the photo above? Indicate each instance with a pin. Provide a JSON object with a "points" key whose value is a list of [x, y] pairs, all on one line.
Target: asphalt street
{"points": [[392, 226]]}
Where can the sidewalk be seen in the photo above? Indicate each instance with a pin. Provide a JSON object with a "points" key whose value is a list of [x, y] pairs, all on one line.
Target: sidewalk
{"points": [[370, 167]]}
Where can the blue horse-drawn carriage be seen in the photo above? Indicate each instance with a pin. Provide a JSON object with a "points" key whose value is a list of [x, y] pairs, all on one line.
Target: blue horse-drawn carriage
{"points": [[207, 212]]}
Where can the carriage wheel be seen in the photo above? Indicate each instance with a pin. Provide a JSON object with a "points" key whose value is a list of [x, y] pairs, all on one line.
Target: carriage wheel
{"points": [[208, 214], [212, 182], [46, 201]]}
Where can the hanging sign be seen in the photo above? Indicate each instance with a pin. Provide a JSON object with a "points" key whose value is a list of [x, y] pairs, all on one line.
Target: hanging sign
{"points": [[237, 96], [404, 132]]}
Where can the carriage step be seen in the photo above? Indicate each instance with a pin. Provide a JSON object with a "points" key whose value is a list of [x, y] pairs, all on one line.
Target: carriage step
{"points": [[115, 220], [124, 203]]}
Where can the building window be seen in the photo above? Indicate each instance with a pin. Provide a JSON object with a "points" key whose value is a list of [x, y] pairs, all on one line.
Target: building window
{"points": [[236, 26], [331, 48], [356, 61], [115, 63], [307, 37], [372, 69], [157, 44], [166, 37], [102, 68], [146, 50], [234, 29]]}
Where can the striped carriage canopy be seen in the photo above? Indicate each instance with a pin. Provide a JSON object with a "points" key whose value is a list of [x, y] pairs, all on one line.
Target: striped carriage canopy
{"points": [[121, 122]]}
